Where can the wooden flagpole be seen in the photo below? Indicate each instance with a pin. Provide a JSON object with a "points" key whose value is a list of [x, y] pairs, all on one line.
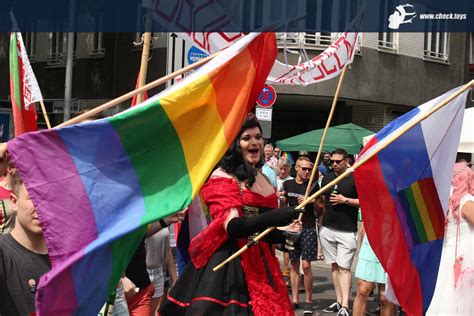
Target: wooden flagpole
{"points": [[43, 109], [356, 165], [144, 64], [323, 138], [130, 94]]}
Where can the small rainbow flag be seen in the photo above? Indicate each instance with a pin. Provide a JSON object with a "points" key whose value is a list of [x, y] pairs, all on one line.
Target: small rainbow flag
{"points": [[423, 217], [288, 156], [403, 192], [97, 185]]}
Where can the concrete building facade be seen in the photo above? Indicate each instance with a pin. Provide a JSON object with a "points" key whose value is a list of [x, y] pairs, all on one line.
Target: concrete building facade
{"points": [[386, 79], [391, 73]]}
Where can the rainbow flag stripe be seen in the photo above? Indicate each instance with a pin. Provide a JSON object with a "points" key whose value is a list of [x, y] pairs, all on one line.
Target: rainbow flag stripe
{"points": [[97, 185], [423, 213]]}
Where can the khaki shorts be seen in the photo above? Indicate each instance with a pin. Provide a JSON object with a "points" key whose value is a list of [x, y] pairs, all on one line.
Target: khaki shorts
{"points": [[338, 246]]}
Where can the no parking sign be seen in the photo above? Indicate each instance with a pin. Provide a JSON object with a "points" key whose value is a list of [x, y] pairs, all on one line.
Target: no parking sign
{"points": [[267, 97], [263, 111]]}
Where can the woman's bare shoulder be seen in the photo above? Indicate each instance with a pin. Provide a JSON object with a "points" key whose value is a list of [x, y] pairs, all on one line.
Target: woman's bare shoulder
{"points": [[220, 173]]}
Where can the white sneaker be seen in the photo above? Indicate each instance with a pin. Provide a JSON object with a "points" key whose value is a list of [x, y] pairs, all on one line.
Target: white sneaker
{"points": [[333, 308], [343, 312]]}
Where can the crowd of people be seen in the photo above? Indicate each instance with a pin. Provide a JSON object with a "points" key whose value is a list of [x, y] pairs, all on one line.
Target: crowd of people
{"points": [[251, 189]]}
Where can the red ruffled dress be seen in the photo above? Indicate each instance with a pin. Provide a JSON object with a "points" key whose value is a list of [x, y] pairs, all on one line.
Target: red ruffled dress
{"points": [[249, 285]]}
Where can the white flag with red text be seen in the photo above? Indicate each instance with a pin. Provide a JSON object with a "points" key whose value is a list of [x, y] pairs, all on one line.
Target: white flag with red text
{"points": [[324, 66]]}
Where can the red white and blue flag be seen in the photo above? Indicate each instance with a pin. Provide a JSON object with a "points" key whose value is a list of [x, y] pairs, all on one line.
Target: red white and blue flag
{"points": [[404, 191]]}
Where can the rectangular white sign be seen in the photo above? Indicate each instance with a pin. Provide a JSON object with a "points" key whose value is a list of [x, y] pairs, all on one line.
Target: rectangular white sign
{"points": [[263, 114]]}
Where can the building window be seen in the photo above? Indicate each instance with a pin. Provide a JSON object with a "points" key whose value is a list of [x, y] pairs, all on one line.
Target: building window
{"points": [[57, 48], [436, 46], [325, 16], [290, 40], [436, 41], [388, 41], [30, 45], [95, 44], [318, 40]]}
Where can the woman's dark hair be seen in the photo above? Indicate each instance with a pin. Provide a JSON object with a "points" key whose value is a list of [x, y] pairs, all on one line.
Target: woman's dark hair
{"points": [[233, 162]]}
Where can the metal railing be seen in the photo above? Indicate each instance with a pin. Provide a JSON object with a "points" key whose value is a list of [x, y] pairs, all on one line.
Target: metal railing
{"points": [[290, 40], [97, 52], [388, 45], [55, 59], [58, 59], [318, 40], [305, 40], [429, 54]]}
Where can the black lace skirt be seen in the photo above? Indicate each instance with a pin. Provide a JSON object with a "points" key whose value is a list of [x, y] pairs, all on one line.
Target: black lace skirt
{"points": [[205, 292]]}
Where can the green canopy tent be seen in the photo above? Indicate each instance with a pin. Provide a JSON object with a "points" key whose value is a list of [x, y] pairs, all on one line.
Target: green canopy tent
{"points": [[346, 136]]}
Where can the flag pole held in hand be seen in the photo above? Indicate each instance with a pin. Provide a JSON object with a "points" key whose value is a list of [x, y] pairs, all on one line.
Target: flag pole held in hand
{"points": [[323, 137]]}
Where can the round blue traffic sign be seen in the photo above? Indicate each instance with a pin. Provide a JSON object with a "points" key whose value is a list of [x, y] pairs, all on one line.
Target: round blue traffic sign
{"points": [[267, 97], [195, 54]]}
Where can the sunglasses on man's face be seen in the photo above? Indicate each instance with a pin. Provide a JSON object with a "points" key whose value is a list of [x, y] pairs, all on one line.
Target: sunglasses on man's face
{"points": [[306, 169], [337, 161]]}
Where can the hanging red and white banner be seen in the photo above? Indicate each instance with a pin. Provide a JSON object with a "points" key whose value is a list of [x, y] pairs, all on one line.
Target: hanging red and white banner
{"points": [[326, 65]]}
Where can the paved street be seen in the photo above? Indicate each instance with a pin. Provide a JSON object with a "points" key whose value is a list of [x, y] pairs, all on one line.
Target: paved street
{"points": [[323, 289]]}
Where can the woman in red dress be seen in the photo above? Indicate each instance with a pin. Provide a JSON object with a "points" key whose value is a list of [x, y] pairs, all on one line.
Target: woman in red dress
{"points": [[242, 203]]}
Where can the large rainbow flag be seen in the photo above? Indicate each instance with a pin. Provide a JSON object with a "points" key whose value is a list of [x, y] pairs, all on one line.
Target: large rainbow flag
{"points": [[97, 185], [403, 193]]}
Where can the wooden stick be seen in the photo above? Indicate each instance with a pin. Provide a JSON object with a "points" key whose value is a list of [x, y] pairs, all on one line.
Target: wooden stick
{"points": [[144, 64], [323, 138], [356, 165], [130, 94], [43, 109]]}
